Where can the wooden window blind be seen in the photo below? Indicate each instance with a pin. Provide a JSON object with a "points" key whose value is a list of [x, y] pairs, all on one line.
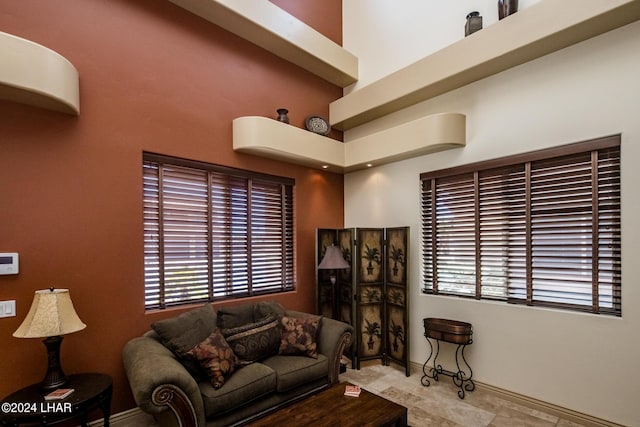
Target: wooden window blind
{"points": [[540, 229], [212, 232]]}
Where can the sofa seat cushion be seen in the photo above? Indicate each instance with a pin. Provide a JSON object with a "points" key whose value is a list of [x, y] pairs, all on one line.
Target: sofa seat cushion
{"points": [[245, 385], [293, 371]]}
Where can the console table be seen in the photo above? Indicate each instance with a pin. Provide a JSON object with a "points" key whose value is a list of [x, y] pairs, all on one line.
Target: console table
{"points": [[28, 406], [455, 332]]}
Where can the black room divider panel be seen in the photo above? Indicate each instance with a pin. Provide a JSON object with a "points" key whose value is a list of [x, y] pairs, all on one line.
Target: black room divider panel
{"points": [[372, 294]]}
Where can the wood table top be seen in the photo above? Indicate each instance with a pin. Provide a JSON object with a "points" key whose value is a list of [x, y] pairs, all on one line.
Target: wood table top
{"points": [[331, 408]]}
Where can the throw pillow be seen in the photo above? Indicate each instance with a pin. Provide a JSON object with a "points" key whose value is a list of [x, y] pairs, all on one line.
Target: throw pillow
{"points": [[179, 334], [299, 336], [254, 341], [216, 358]]}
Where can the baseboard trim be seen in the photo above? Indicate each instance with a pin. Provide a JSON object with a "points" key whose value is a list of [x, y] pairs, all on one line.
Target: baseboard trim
{"points": [[121, 419], [125, 418], [540, 405]]}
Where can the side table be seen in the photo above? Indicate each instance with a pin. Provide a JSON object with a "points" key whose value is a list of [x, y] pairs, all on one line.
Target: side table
{"points": [[455, 332], [28, 406]]}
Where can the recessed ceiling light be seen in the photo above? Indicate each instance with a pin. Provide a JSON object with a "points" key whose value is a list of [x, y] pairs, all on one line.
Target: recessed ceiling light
{"points": [[369, 165], [325, 166]]}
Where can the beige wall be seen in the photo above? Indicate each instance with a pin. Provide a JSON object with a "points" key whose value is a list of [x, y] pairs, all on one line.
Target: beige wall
{"points": [[579, 361]]}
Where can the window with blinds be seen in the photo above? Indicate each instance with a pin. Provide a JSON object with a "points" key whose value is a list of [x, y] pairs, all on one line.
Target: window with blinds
{"points": [[212, 232], [540, 229]]}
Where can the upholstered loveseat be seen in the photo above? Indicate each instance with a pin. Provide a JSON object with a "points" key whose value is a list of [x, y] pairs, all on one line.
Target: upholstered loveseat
{"points": [[229, 366]]}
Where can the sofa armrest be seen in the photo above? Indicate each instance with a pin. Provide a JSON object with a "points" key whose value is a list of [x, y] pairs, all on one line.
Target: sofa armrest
{"points": [[333, 338], [160, 383]]}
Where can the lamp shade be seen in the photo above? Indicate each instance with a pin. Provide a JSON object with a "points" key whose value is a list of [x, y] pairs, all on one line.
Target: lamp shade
{"points": [[333, 259], [51, 314]]}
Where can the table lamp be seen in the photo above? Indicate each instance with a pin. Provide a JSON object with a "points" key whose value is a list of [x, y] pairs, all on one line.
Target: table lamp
{"points": [[51, 315], [333, 260]]}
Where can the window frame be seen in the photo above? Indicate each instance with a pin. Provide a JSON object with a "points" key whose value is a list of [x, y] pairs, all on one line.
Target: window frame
{"points": [[235, 232], [527, 233]]}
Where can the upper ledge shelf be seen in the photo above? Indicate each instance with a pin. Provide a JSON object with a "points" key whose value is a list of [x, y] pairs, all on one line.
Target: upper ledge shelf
{"points": [[270, 138], [542, 28], [35, 75], [266, 25]]}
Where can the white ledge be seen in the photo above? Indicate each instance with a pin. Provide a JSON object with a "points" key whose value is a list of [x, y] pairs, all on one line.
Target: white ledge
{"points": [[270, 138], [543, 28], [265, 137], [35, 75], [266, 25], [426, 135]]}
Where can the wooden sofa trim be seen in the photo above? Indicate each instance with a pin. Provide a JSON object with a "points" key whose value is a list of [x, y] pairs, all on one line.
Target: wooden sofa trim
{"points": [[345, 341], [173, 397]]}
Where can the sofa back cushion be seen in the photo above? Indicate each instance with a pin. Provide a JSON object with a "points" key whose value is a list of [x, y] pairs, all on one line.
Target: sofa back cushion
{"points": [[264, 309], [181, 333], [233, 316]]}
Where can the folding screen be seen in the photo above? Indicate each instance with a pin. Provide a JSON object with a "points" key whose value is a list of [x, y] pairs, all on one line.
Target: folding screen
{"points": [[371, 295]]}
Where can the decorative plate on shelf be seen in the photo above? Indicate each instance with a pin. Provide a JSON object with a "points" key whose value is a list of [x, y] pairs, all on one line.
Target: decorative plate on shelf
{"points": [[317, 124]]}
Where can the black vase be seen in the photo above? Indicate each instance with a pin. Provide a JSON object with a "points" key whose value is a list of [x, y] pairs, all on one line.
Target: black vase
{"points": [[282, 115], [507, 7], [474, 23]]}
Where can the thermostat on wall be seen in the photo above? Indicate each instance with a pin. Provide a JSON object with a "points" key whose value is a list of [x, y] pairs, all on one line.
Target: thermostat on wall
{"points": [[9, 263]]}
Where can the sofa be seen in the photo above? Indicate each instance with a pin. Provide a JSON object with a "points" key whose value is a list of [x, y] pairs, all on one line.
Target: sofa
{"points": [[232, 365]]}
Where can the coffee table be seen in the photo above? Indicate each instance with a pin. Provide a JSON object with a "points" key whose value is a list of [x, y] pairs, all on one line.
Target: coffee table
{"points": [[331, 408]]}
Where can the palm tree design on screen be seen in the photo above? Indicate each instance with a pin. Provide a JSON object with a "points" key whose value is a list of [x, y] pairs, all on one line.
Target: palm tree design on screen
{"points": [[396, 297], [373, 330], [371, 255], [372, 295], [346, 254], [398, 335], [397, 256], [346, 272]]}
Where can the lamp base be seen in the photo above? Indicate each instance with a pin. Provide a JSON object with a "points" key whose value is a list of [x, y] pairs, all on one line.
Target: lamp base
{"points": [[54, 377]]}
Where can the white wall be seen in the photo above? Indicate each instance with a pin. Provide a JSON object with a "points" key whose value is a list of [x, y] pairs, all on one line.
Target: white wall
{"points": [[583, 362], [387, 35]]}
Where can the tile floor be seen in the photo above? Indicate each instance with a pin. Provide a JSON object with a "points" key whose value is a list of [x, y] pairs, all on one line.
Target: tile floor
{"points": [[439, 406], [435, 406]]}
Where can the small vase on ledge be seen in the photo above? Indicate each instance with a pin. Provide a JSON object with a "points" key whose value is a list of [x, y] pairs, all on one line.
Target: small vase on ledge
{"points": [[474, 23], [507, 7], [282, 115]]}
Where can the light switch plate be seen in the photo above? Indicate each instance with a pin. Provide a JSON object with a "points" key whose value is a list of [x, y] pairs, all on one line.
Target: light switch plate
{"points": [[8, 308]]}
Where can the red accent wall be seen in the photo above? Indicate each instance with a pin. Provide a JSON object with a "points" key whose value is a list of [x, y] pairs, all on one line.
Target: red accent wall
{"points": [[152, 77]]}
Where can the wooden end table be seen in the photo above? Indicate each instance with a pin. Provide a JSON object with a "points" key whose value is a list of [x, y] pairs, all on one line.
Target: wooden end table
{"points": [[28, 406]]}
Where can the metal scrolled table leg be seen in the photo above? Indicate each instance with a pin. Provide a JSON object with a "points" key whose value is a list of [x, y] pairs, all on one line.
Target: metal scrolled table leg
{"points": [[435, 370], [460, 379]]}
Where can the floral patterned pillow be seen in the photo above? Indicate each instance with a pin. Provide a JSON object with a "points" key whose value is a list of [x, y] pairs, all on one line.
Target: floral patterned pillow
{"points": [[299, 336], [216, 357]]}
